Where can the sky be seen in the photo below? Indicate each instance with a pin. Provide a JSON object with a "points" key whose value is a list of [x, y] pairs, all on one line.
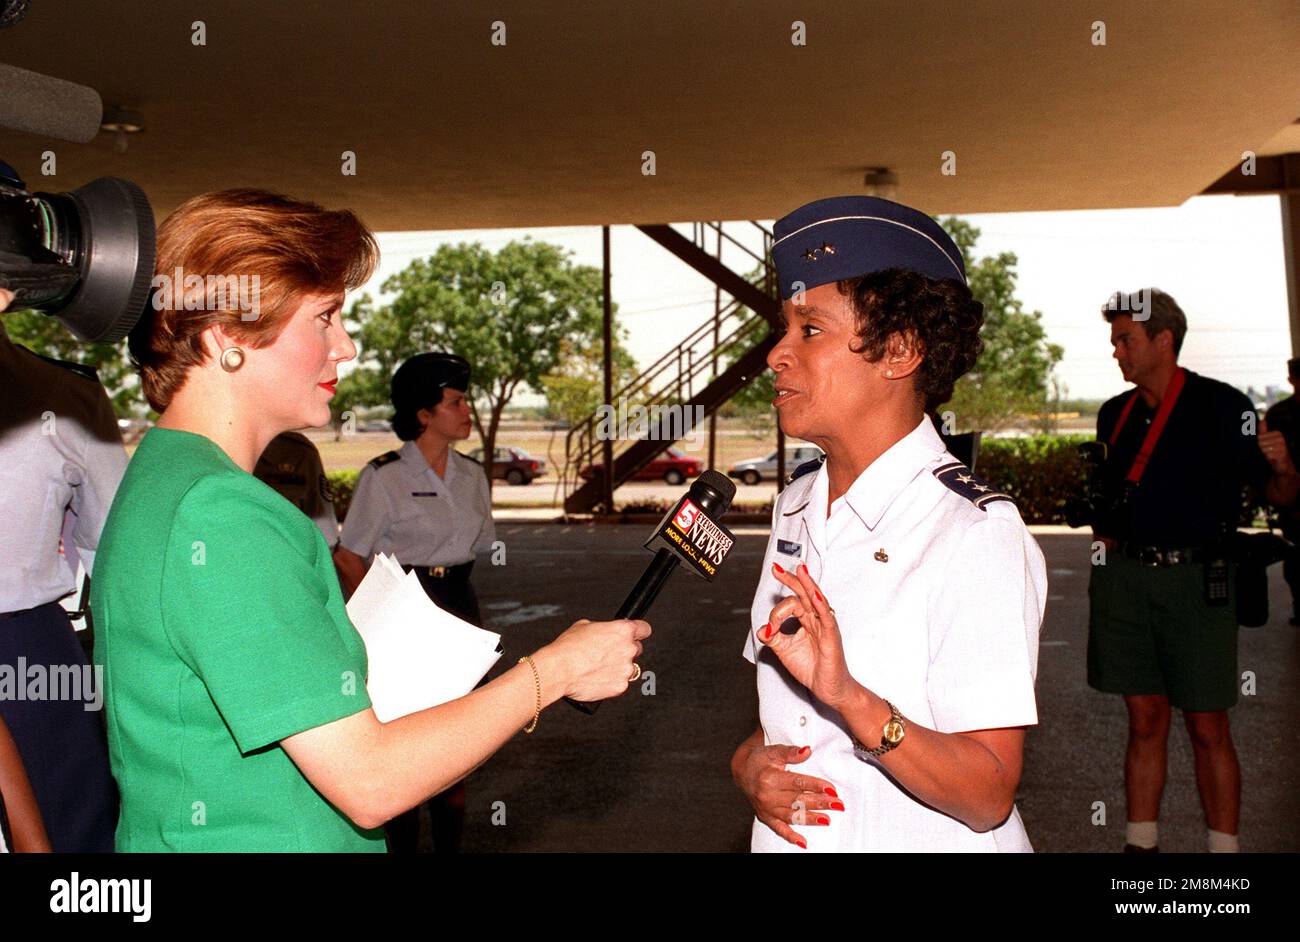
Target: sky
{"points": [[1221, 258]]}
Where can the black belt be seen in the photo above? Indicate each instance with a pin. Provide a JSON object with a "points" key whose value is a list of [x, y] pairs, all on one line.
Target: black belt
{"points": [[457, 573], [1165, 555]]}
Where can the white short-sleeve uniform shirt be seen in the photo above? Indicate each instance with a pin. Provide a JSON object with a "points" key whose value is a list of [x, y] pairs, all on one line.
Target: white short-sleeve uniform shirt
{"points": [[402, 507], [61, 460], [939, 598]]}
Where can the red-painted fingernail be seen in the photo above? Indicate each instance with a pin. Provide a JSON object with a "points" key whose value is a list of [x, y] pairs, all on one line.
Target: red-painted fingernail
{"points": [[803, 568], [765, 631], [804, 749], [819, 597], [777, 567], [831, 791], [823, 819], [837, 806], [801, 843]]}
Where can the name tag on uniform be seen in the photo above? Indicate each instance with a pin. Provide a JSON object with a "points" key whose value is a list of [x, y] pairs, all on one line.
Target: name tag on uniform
{"points": [[789, 549], [424, 493]]}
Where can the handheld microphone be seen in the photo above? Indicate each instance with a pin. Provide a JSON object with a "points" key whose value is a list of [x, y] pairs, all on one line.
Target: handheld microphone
{"points": [[688, 534]]}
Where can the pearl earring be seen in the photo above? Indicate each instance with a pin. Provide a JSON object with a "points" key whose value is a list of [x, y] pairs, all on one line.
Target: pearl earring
{"points": [[232, 359]]}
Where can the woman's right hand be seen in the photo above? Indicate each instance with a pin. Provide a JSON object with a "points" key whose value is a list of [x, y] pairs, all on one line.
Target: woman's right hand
{"points": [[594, 660], [782, 798]]}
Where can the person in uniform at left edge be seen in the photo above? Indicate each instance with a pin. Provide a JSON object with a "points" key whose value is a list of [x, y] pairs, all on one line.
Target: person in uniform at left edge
{"points": [[60, 454], [901, 598], [431, 508]]}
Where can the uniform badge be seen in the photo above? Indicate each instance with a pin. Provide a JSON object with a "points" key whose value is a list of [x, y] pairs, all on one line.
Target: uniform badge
{"points": [[786, 548]]}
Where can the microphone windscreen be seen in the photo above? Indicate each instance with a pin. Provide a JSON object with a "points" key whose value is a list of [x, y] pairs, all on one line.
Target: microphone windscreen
{"points": [[48, 107], [723, 485]]}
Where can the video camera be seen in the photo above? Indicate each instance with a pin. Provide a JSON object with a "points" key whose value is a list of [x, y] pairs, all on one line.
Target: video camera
{"points": [[85, 257], [1095, 501]]}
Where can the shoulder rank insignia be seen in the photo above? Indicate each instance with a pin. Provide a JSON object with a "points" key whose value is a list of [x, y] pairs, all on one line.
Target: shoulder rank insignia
{"points": [[386, 458], [808, 467], [957, 477]]}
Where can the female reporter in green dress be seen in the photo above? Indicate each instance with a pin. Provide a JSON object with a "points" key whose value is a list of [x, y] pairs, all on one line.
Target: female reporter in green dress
{"points": [[237, 711]]}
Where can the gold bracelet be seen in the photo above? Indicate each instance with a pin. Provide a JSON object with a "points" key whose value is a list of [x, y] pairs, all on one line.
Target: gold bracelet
{"points": [[537, 684]]}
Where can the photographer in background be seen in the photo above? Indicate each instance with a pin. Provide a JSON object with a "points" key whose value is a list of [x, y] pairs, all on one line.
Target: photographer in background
{"points": [[1162, 622], [1284, 417], [60, 453]]}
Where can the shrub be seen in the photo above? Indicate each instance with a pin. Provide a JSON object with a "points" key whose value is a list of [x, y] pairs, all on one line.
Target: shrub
{"points": [[342, 483], [1040, 472]]}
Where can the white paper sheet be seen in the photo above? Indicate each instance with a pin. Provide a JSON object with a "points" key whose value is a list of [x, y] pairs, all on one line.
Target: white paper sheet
{"points": [[419, 654]]}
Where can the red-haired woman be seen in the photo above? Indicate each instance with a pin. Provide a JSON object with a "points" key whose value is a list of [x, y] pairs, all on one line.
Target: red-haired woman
{"points": [[237, 710]]}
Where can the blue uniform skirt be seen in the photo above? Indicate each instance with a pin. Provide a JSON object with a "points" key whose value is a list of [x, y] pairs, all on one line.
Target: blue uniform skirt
{"points": [[62, 743]]}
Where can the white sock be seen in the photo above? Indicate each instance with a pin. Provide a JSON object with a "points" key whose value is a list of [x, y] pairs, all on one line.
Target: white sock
{"points": [[1221, 843], [1141, 833]]}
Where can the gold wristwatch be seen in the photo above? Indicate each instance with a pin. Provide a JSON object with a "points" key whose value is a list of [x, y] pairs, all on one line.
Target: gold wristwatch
{"points": [[892, 734]]}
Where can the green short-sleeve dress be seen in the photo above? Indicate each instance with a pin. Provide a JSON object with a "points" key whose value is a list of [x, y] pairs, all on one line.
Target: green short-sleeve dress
{"points": [[221, 629]]}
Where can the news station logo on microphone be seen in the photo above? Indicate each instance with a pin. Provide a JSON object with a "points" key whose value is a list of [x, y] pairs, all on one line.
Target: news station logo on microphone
{"points": [[694, 537]]}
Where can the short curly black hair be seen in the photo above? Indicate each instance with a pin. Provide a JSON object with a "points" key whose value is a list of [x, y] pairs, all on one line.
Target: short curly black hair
{"points": [[407, 425], [941, 314]]}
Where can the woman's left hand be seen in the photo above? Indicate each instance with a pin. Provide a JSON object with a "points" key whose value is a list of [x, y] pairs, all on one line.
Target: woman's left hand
{"points": [[814, 655]]}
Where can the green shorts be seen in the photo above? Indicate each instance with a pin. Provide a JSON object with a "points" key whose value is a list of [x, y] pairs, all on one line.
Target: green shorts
{"points": [[1151, 632]]}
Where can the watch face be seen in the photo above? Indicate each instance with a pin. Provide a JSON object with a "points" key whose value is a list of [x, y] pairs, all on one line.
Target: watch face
{"points": [[894, 731]]}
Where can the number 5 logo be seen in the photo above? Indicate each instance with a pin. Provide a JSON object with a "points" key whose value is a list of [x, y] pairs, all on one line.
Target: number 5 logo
{"points": [[686, 517]]}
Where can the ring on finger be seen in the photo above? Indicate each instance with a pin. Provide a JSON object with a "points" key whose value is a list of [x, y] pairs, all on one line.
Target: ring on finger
{"points": [[635, 673]]}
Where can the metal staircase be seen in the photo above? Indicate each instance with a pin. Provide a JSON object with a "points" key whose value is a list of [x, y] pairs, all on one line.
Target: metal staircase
{"points": [[706, 369]]}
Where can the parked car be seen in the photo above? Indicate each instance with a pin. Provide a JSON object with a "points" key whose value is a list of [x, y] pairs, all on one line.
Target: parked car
{"points": [[673, 466], [753, 470], [376, 425], [513, 465]]}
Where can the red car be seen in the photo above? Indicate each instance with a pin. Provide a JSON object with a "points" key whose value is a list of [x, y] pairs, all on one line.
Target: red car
{"points": [[673, 466], [513, 465]]}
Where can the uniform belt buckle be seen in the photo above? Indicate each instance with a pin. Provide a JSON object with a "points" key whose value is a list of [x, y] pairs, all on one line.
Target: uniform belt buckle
{"points": [[438, 572]]}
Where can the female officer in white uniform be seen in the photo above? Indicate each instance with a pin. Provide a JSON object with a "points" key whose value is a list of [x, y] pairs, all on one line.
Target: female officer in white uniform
{"points": [[901, 598], [431, 508]]}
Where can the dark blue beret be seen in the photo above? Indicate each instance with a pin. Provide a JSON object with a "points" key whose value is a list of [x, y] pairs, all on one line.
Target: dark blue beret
{"points": [[850, 236]]}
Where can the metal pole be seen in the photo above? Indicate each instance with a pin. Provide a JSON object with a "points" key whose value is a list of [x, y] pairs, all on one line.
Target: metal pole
{"points": [[607, 445], [780, 457], [717, 324], [1290, 202]]}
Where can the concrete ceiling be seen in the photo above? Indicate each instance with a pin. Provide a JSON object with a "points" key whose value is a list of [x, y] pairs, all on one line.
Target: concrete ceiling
{"points": [[451, 131]]}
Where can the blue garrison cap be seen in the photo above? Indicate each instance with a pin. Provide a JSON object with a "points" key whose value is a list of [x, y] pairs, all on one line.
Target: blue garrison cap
{"points": [[850, 236]]}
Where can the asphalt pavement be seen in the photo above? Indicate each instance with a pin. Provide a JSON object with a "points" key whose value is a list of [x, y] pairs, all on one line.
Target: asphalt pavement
{"points": [[649, 772]]}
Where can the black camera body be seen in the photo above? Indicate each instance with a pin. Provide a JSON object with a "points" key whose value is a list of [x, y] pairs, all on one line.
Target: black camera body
{"points": [[1097, 501], [85, 257]]}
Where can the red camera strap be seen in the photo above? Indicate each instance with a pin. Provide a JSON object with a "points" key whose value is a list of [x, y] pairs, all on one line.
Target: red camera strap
{"points": [[1157, 424]]}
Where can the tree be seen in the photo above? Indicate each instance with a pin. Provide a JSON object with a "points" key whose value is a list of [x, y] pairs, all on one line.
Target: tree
{"points": [[577, 387], [1013, 375], [43, 334], [364, 386], [514, 314]]}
